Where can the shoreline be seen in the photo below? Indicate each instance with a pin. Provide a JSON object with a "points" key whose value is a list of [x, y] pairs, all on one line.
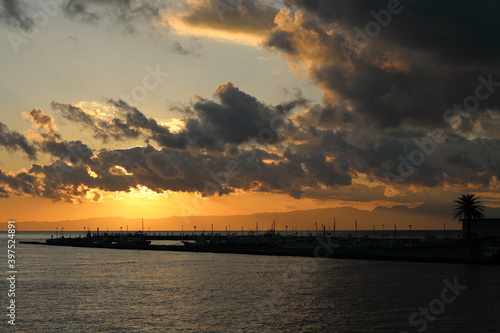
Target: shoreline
{"points": [[432, 255]]}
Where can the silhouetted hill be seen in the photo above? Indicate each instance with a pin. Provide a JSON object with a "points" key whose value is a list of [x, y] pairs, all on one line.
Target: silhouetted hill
{"points": [[427, 216]]}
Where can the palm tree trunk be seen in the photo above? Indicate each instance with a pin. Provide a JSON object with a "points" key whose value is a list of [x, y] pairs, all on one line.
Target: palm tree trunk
{"points": [[470, 249]]}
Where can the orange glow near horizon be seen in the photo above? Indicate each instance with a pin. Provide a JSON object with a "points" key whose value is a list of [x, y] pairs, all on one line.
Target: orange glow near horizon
{"points": [[144, 203]]}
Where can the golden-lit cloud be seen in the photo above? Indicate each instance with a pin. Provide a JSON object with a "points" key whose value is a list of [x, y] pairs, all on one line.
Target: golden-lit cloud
{"points": [[245, 22]]}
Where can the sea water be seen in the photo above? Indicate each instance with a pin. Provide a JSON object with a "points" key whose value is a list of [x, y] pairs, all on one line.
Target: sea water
{"points": [[68, 289]]}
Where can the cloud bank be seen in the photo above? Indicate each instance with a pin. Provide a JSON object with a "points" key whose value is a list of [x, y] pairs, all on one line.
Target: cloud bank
{"points": [[410, 103]]}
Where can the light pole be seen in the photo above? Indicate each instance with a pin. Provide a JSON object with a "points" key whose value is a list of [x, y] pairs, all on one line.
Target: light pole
{"points": [[57, 229], [286, 231], [356, 228], [334, 226], [411, 240], [383, 235], [62, 232]]}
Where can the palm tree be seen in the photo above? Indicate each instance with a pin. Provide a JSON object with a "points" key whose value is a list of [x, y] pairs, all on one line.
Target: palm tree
{"points": [[467, 209]]}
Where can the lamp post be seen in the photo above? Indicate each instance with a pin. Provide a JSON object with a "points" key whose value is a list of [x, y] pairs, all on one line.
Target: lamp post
{"points": [[356, 228], [286, 231], [57, 229], [411, 240]]}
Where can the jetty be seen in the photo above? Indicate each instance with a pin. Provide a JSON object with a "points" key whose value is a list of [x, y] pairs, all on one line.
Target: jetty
{"points": [[274, 243]]}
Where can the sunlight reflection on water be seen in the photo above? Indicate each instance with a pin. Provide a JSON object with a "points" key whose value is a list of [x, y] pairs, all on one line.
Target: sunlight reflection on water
{"points": [[104, 290]]}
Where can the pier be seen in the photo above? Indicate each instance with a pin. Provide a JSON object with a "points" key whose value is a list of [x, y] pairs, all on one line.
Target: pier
{"points": [[403, 249]]}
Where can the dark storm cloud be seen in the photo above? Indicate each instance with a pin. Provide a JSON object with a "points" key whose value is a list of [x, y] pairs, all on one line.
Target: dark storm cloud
{"points": [[39, 118], [425, 162], [13, 12], [21, 183], [217, 127], [73, 113], [282, 40], [234, 118], [136, 119], [212, 154], [72, 151], [426, 58], [168, 169], [15, 141], [387, 90], [105, 130], [4, 194], [454, 31], [62, 182]]}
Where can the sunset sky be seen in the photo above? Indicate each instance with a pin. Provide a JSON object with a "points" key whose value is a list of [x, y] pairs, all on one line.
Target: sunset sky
{"points": [[159, 108]]}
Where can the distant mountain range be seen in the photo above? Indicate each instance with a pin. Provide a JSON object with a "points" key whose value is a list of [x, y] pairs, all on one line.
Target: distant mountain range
{"points": [[427, 216]]}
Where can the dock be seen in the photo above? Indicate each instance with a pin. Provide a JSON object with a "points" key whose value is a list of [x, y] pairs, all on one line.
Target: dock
{"points": [[427, 254]]}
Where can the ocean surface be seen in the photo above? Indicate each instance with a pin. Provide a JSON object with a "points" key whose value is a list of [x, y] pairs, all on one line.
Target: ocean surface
{"points": [[65, 289]]}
